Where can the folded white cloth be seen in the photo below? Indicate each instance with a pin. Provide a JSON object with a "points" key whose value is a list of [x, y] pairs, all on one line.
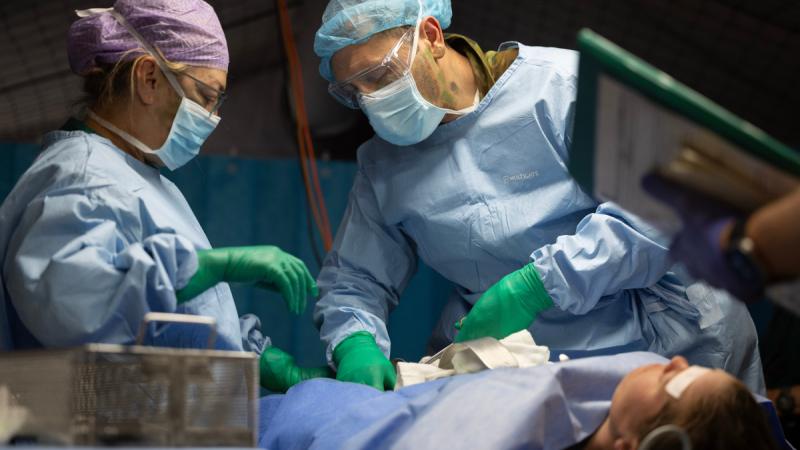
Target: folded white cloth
{"points": [[517, 350]]}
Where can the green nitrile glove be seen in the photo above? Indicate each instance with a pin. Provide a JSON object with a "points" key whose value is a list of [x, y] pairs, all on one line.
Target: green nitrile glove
{"points": [[279, 372], [267, 266], [511, 305], [359, 360]]}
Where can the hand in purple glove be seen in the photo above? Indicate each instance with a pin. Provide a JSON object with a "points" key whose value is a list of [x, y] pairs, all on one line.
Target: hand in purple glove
{"points": [[702, 243]]}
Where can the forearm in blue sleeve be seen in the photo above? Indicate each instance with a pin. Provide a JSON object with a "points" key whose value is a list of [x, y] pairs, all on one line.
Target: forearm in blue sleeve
{"points": [[73, 277], [364, 274], [610, 251]]}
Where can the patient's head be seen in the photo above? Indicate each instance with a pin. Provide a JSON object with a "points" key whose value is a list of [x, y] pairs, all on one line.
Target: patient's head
{"points": [[716, 410]]}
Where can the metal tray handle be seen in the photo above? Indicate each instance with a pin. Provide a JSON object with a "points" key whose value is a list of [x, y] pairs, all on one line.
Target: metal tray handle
{"points": [[153, 317]]}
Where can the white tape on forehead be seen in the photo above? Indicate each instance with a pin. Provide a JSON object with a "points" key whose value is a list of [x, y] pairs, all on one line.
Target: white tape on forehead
{"points": [[683, 380]]}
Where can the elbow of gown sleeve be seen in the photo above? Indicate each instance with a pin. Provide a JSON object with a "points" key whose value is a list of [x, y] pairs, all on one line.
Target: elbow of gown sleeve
{"points": [[86, 292], [167, 261], [610, 252]]}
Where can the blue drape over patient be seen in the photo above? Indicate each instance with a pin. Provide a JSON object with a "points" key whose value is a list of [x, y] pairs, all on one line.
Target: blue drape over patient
{"points": [[551, 406]]}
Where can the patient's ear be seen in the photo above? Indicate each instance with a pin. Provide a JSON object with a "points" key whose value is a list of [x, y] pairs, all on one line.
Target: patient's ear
{"points": [[626, 444]]}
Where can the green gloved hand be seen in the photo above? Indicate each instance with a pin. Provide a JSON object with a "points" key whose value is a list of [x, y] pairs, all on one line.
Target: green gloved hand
{"points": [[267, 266], [359, 360], [511, 305], [279, 372]]}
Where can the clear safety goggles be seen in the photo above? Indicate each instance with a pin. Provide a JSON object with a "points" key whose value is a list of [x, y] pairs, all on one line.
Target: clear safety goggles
{"points": [[212, 97], [395, 65]]}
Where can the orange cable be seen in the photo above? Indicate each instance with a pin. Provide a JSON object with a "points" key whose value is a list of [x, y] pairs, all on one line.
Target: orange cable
{"points": [[304, 141], [310, 146], [304, 136]]}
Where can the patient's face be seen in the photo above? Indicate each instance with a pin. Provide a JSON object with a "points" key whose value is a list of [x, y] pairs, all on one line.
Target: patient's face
{"points": [[641, 394]]}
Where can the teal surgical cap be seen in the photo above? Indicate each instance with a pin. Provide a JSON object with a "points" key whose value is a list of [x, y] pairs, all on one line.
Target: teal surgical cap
{"points": [[348, 22]]}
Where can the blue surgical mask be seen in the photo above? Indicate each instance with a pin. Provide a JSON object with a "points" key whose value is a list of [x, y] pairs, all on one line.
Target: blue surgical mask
{"points": [[400, 114], [192, 123], [190, 128]]}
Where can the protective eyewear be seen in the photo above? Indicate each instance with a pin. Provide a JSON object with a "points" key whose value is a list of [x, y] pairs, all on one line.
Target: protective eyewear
{"points": [[394, 66], [210, 94]]}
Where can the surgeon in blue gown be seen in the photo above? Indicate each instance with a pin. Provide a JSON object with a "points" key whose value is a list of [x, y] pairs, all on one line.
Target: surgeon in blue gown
{"points": [[93, 237], [467, 172]]}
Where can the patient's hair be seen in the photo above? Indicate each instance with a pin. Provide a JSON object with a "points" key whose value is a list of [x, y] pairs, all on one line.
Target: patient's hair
{"points": [[727, 419]]}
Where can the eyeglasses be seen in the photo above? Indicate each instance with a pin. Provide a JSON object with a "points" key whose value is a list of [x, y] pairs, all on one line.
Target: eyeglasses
{"points": [[390, 69], [216, 97]]}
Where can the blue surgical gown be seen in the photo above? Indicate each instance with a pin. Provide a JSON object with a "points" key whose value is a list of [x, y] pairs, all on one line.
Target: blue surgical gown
{"points": [[490, 192], [92, 239]]}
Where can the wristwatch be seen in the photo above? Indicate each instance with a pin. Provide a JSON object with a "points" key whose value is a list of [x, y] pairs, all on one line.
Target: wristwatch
{"points": [[742, 257]]}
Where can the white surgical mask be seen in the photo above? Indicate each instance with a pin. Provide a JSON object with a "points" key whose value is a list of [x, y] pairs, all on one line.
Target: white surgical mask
{"points": [[400, 114], [192, 123]]}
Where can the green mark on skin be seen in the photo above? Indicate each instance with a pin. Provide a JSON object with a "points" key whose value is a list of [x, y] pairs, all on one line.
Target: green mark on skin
{"points": [[436, 86], [440, 79], [429, 56], [446, 97], [448, 100]]}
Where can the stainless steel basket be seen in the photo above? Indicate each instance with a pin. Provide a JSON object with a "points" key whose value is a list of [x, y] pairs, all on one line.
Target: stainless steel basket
{"points": [[102, 394]]}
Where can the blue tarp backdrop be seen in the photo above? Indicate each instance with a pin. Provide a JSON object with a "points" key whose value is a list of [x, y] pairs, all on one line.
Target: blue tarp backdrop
{"points": [[249, 202]]}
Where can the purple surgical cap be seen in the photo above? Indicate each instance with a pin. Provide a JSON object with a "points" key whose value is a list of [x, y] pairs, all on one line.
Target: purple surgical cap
{"points": [[185, 31]]}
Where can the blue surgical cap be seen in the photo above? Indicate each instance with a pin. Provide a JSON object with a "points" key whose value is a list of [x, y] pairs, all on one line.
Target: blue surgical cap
{"points": [[349, 22]]}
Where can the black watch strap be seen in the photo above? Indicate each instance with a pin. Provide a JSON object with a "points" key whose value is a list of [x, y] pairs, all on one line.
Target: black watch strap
{"points": [[742, 256]]}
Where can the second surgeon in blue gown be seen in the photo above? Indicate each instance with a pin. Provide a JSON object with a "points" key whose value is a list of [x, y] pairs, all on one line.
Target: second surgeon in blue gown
{"points": [[480, 190]]}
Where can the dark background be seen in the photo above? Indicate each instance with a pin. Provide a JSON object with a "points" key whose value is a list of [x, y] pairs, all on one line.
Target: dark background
{"points": [[742, 54]]}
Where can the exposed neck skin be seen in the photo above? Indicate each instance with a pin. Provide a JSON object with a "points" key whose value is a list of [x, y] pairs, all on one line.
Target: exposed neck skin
{"points": [[601, 439], [459, 81], [116, 140], [443, 76]]}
